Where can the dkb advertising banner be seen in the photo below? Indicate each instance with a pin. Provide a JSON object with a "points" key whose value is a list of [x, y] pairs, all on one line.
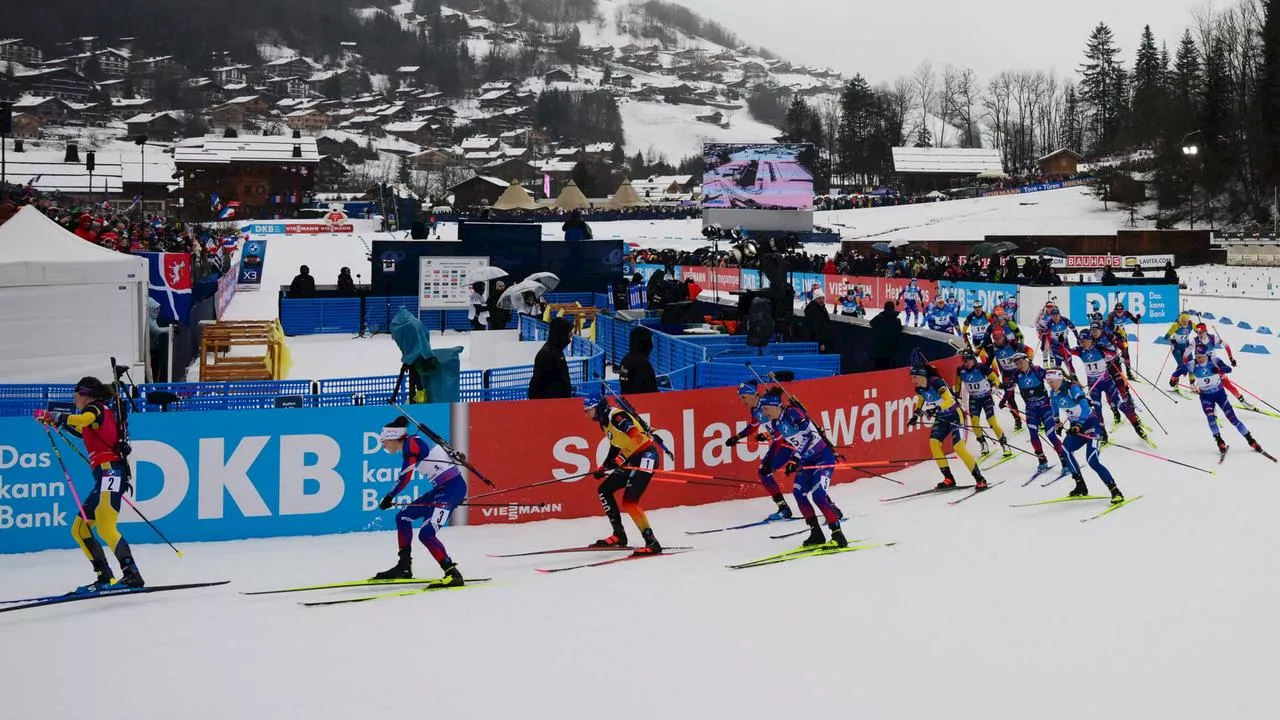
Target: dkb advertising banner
{"points": [[218, 475], [989, 294], [1155, 303]]}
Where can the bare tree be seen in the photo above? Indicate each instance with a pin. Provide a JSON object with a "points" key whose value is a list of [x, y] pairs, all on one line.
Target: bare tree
{"points": [[960, 100], [996, 102], [946, 101], [830, 112], [925, 86]]}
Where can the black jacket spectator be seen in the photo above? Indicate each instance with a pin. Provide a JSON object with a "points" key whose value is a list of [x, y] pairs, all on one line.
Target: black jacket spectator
{"points": [[346, 286], [636, 374], [303, 285], [550, 369], [1109, 276], [575, 228], [1170, 275], [498, 317], [817, 320], [886, 328]]}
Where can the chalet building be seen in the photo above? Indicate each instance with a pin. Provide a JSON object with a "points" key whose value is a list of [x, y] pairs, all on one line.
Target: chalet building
{"points": [[164, 125], [269, 175], [57, 82], [46, 109], [15, 50], [311, 120]]}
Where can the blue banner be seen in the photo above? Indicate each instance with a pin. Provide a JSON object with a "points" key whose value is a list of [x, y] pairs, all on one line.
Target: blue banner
{"points": [[252, 258], [647, 270], [264, 229], [752, 279], [219, 475], [170, 284], [803, 283], [990, 294], [1155, 303]]}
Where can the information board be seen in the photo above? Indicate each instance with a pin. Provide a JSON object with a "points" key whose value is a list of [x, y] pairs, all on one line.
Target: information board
{"points": [[442, 281]]}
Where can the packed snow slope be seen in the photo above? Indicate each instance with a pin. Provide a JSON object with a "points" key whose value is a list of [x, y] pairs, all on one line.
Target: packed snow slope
{"points": [[1162, 609]]}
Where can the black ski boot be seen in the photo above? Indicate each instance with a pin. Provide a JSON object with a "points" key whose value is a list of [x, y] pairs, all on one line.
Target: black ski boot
{"points": [[1115, 417], [983, 450], [129, 575], [1080, 490], [1252, 443], [651, 544], [948, 481], [1005, 450], [402, 570], [103, 581], [452, 576], [1117, 497], [1222, 444], [1017, 424], [837, 536], [784, 510], [816, 537], [979, 482], [617, 539]]}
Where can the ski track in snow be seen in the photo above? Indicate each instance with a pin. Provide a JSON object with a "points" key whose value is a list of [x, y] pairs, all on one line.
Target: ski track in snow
{"points": [[1161, 609]]}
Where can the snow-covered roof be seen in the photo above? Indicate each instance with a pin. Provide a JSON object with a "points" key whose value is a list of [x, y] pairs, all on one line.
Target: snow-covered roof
{"points": [[494, 94], [956, 161], [408, 68], [406, 126], [52, 174], [218, 150], [479, 142], [554, 166], [30, 101], [148, 117]]}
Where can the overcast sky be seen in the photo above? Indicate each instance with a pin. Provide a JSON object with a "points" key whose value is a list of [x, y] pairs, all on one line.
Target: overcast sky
{"points": [[883, 39]]}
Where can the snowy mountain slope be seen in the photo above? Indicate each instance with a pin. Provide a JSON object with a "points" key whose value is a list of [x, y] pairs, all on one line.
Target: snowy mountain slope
{"points": [[1161, 609], [673, 130]]}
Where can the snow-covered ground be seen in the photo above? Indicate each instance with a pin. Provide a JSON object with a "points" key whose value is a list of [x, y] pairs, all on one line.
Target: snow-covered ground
{"points": [[1161, 610], [1231, 281], [674, 131]]}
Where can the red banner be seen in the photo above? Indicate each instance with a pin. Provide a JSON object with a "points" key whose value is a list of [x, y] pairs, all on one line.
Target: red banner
{"points": [[879, 289], [728, 279], [866, 414]]}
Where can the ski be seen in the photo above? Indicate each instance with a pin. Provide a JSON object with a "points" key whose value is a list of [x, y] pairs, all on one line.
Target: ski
{"points": [[350, 584], [976, 492], [930, 491], [1254, 408], [1222, 454], [827, 549], [108, 592], [1265, 454], [580, 549], [1114, 507], [399, 593], [611, 561], [1115, 425], [758, 523], [1064, 472], [1037, 474], [1003, 459], [1063, 500]]}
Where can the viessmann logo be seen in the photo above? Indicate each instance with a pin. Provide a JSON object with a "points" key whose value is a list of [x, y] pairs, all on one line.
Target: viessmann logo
{"points": [[515, 511]]}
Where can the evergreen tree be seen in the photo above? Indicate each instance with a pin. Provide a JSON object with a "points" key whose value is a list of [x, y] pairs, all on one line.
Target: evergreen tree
{"points": [[1215, 120], [923, 138], [1184, 88], [1269, 94], [1148, 91], [1072, 132], [1100, 75], [858, 111]]}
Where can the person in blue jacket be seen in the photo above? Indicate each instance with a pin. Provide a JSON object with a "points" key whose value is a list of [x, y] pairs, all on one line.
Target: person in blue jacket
{"points": [[1208, 376], [1083, 429]]}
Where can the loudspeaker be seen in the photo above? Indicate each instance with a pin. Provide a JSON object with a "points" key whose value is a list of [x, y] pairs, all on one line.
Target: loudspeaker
{"points": [[88, 161], [6, 119]]}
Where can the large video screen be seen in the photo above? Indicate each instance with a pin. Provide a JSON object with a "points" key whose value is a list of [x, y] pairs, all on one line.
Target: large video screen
{"points": [[758, 176]]}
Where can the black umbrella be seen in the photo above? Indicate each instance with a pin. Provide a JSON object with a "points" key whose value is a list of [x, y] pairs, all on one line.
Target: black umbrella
{"points": [[881, 247], [1051, 252], [983, 249], [1002, 248]]}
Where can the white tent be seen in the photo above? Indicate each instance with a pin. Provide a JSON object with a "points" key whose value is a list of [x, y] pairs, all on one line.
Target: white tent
{"points": [[68, 305]]}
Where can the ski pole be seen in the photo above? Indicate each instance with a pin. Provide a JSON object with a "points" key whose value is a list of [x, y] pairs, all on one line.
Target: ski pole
{"points": [[1150, 455], [66, 475], [150, 524], [1255, 397], [702, 476], [1157, 387], [822, 432], [1147, 408], [472, 504], [530, 486], [453, 454], [1166, 362]]}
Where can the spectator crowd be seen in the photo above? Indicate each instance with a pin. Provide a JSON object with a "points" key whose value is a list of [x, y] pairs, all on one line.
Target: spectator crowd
{"points": [[126, 229]]}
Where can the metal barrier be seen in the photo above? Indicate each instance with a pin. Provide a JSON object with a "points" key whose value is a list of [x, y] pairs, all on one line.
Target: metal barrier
{"points": [[312, 316], [721, 374], [796, 348]]}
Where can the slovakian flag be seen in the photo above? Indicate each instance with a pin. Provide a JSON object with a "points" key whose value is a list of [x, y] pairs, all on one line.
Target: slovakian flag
{"points": [[170, 284]]}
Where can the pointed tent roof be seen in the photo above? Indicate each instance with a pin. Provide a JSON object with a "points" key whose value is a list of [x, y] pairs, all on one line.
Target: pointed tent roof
{"points": [[515, 197], [35, 250], [571, 198], [625, 197]]}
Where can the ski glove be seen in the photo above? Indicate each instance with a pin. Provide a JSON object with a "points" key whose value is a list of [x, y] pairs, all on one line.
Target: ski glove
{"points": [[1233, 362], [387, 501], [600, 473], [731, 440], [915, 419], [1073, 430], [791, 467], [49, 417]]}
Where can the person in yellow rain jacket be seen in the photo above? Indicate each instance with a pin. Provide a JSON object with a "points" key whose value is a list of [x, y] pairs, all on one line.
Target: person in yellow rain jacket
{"points": [[96, 425], [934, 400]]}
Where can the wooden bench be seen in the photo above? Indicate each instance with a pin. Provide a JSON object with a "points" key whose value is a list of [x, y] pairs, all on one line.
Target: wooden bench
{"points": [[219, 338]]}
